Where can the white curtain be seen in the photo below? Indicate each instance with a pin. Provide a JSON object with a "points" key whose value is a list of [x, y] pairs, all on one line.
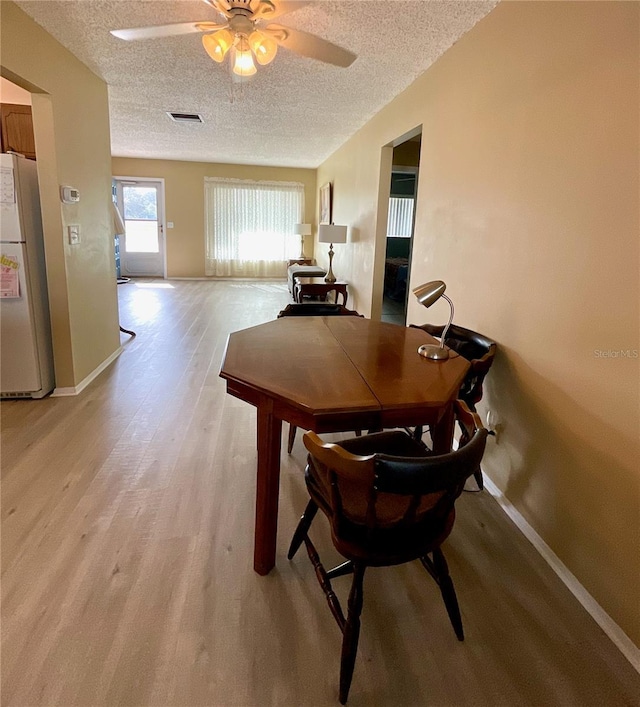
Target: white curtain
{"points": [[400, 219], [249, 227]]}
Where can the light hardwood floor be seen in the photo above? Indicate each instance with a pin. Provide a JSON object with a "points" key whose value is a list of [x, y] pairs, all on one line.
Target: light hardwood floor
{"points": [[127, 519]]}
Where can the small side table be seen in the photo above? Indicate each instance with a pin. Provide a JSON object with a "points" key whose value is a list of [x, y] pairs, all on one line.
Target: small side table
{"points": [[316, 286]]}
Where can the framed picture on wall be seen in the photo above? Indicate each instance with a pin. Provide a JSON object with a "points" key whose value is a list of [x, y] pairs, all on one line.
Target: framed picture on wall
{"points": [[325, 203]]}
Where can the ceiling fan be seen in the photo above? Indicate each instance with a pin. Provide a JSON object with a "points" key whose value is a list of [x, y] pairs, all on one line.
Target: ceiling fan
{"points": [[245, 31]]}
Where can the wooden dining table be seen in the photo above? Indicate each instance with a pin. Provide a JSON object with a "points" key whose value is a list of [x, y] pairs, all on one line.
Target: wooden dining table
{"points": [[333, 374]]}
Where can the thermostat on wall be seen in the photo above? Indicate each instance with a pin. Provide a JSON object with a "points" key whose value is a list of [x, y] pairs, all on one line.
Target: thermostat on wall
{"points": [[69, 195]]}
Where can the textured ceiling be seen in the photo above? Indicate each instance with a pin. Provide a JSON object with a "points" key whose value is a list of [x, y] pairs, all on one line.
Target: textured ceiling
{"points": [[294, 112]]}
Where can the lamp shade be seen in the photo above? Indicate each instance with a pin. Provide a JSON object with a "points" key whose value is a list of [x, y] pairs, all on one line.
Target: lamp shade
{"points": [[430, 292], [242, 60], [218, 44], [427, 294], [328, 233], [264, 48], [302, 229]]}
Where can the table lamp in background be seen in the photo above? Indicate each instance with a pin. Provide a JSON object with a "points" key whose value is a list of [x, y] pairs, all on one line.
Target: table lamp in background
{"points": [[329, 233], [302, 230], [428, 294]]}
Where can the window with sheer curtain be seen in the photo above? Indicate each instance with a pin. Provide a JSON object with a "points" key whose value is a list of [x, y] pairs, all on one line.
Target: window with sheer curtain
{"points": [[400, 220], [249, 227]]}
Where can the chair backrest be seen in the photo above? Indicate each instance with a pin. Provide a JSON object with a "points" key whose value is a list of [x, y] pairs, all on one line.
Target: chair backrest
{"points": [[317, 309], [393, 505], [476, 348]]}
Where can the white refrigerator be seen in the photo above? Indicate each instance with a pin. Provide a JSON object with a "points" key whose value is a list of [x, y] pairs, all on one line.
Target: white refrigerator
{"points": [[26, 355]]}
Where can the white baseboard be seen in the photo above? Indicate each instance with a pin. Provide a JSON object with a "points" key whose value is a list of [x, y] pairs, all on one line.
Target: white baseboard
{"points": [[211, 278], [626, 646], [65, 392]]}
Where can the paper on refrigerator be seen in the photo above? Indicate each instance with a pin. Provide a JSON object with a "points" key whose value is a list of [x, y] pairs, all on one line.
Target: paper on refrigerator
{"points": [[9, 277]]}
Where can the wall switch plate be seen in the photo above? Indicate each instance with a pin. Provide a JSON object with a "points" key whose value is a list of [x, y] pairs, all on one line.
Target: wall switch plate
{"points": [[169, 224], [74, 234]]}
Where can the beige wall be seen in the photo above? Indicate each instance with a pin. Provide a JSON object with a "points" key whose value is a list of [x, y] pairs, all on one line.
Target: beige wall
{"points": [[10, 93], [71, 126], [407, 154], [184, 197], [528, 209]]}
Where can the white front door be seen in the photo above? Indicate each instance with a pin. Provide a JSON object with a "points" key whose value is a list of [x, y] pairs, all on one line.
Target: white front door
{"points": [[142, 246]]}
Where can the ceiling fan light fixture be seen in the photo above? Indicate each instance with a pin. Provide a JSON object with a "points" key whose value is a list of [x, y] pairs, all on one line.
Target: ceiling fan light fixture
{"points": [[218, 44], [241, 58], [264, 48], [247, 36]]}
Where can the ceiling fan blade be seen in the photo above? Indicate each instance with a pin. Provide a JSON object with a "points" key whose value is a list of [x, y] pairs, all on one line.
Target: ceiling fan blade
{"points": [[166, 30], [268, 10], [221, 6], [309, 45]]}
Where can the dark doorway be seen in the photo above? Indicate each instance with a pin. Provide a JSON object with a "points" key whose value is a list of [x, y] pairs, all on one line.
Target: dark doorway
{"points": [[400, 227]]}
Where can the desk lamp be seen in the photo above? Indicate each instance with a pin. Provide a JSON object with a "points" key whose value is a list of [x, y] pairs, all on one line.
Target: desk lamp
{"points": [[427, 294], [328, 233], [302, 230]]}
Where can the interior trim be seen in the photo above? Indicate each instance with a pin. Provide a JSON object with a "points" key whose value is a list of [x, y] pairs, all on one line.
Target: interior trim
{"points": [[75, 390], [626, 646]]}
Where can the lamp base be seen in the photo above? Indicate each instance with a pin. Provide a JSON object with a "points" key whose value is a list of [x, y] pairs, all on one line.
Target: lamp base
{"points": [[330, 278], [433, 352]]}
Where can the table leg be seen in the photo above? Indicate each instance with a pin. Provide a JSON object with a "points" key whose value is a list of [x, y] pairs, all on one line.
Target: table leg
{"points": [[339, 292], [442, 431], [267, 488]]}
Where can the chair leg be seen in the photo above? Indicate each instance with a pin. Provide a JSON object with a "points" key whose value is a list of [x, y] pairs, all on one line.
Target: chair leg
{"points": [[292, 437], [303, 528], [325, 583], [351, 633], [448, 592], [477, 475]]}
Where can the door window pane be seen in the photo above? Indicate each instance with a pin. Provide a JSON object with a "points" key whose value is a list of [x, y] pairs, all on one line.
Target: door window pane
{"points": [[142, 236], [141, 219], [140, 203]]}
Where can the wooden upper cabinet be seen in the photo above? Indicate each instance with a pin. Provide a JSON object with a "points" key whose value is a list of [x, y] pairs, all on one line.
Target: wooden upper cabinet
{"points": [[17, 129]]}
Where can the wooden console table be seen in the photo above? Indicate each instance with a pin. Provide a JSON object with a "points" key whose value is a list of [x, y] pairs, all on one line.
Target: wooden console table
{"points": [[316, 286]]}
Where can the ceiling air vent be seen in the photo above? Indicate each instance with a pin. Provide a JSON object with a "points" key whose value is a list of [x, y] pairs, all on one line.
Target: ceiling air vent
{"points": [[185, 117]]}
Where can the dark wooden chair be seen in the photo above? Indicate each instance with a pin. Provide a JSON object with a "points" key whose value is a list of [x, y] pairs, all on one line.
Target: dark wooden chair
{"points": [[313, 309], [480, 352], [387, 503]]}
